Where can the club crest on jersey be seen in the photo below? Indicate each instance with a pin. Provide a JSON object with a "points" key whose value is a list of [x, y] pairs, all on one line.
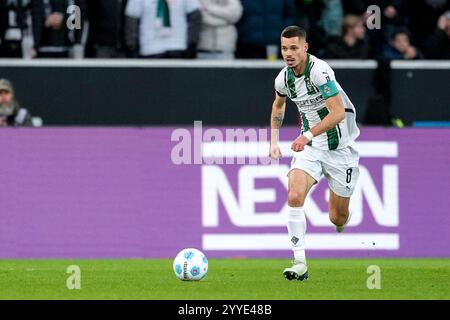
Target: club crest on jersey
{"points": [[310, 87]]}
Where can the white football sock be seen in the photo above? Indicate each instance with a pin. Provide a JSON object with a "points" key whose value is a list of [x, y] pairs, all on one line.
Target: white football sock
{"points": [[297, 230]]}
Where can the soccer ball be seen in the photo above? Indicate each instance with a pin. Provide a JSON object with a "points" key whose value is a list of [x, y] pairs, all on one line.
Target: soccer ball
{"points": [[190, 265]]}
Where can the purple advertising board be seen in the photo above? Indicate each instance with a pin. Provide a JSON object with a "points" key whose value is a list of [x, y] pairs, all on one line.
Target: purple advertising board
{"points": [[122, 193]]}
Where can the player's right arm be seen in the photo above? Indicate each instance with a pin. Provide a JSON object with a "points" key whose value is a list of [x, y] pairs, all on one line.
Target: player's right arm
{"points": [[277, 117]]}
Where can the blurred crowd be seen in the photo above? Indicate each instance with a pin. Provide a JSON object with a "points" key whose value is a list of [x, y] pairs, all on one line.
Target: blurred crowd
{"points": [[222, 29]]}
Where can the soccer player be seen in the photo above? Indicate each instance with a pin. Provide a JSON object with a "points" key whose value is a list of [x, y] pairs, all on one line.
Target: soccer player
{"points": [[326, 146]]}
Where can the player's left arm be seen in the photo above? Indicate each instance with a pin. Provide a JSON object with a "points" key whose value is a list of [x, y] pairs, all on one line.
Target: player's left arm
{"points": [[324, 78]]}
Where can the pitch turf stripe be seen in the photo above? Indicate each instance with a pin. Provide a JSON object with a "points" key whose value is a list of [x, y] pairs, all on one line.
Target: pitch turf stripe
{"points": [[354, 241]]}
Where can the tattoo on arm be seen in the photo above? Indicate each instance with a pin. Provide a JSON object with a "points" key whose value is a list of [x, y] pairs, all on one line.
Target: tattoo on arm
{"points": [[277, 120]]}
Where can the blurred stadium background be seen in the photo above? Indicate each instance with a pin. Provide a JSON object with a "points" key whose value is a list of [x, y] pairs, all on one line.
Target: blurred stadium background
{"points": [[97, 180]]}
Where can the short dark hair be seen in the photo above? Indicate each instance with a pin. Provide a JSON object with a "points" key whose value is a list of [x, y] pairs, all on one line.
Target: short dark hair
{"points": [[401, 30], [294, 31]]}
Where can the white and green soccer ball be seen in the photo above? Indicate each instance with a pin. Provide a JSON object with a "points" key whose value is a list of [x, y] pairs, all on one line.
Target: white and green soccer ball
{"points": [[190, 265]]}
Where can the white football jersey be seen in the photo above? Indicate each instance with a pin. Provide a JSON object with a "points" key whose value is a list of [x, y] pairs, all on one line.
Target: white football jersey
{"points": [[309, 92]]}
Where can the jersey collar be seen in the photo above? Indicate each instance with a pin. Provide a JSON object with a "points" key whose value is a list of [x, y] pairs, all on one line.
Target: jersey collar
{"points": [[307, 69]]}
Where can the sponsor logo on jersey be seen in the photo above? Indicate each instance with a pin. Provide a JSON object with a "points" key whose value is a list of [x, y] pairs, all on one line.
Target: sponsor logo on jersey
{"points": [[310, 102]]}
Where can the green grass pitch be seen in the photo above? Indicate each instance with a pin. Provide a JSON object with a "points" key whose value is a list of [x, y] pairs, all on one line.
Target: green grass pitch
{"points": [[241, 279]]}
